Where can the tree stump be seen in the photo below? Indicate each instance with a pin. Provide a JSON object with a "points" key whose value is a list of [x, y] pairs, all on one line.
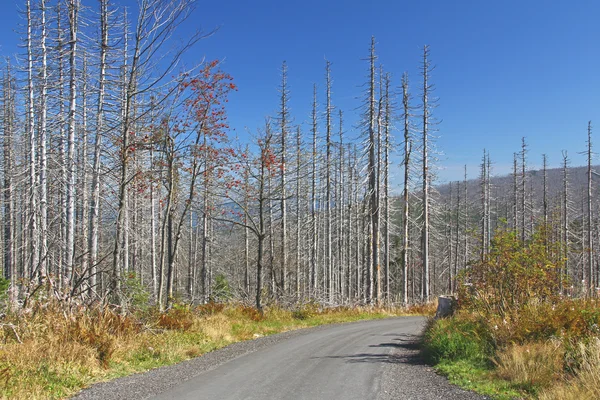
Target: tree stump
{"points": [[446, 306]]}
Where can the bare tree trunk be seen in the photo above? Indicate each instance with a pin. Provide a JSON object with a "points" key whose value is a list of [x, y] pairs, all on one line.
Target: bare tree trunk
{"points": [[128, 155], [457, 239], [372, 170], [405, 190], [377, 271], [515, 195], [153, 271], [165, 241], [484, 205], [386, 194], [449, 234], [43, 148], [425, 199], [246, 236], [313, 193], [328, 235], [62, 152], [264, 171], [350, 242], [588, 276], [358, 226], [122, 209], [33, 230], [466, 225], [565, 215], [488, 237], [9, 207], [94, 222], [272, 280], [523, 190], [340, 205], [73, 8], [545, 195], [171, 251], [205, 243], [84, 171], [190, 276], [283, 115], [298, 196]]}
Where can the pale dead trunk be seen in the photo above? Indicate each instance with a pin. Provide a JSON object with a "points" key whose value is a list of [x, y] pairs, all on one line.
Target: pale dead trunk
{"points": [[94, 219], [372, 171], [43, 148], [73, 9], [425, 195], [405, 190], [32, 223], [328, 234], [313, 193], [284, 122]]}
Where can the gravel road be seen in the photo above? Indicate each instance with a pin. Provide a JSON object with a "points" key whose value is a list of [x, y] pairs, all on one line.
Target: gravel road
{"points": [[356, 361]]}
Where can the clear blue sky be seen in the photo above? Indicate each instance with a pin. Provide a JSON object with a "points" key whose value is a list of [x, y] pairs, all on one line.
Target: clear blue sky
{"points": [[504, 69]]}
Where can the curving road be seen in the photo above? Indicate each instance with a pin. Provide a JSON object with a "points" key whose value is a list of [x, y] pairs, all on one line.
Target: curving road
{"points": [[362, 360]]}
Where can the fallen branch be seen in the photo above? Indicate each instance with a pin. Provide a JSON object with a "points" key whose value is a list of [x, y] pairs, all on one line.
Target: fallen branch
{"points": [[14, 331]]}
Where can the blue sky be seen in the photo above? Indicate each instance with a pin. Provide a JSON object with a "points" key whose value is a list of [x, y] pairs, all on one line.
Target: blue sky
{"points": [[504, 69]]}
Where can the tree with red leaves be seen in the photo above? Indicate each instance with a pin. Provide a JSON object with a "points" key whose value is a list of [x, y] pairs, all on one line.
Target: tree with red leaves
{"points": [[194, 142], [246, 195]]}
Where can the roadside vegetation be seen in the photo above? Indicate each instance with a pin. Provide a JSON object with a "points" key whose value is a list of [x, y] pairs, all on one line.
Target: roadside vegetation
{"points": [[518, 331], [50, 351]]}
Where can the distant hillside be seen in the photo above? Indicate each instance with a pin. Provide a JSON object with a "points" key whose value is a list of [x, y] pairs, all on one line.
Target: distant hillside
{"points": [[502, 186]]}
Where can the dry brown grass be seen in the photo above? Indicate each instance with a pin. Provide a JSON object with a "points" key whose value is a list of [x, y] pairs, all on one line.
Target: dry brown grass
{"points": [[217, 328], [60, 351], [584, 384], [532, 366], [428, 309], [63, 351]]}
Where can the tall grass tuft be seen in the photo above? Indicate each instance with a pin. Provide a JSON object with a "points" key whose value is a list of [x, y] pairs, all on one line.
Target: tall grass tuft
{"points": [[457, 339], [584, 383], [530, 367]]}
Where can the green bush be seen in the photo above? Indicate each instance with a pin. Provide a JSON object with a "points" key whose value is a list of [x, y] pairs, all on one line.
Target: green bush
{"points": [[221, 289], [135, 293], [301, 314], [455, 339], [513, 275], [4, 286]]}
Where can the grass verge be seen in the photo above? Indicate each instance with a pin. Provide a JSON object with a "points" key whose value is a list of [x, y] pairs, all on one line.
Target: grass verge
{"points": [[461, 349], [516, 333], [529, 357], [50, 354]]}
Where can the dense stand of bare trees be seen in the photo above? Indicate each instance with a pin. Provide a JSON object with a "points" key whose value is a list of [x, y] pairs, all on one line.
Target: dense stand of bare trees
{"points": [[118, 175]]}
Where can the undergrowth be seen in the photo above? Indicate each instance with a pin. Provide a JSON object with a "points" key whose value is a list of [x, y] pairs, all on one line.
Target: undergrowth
{"points": [[515, 335], [49, 352]]}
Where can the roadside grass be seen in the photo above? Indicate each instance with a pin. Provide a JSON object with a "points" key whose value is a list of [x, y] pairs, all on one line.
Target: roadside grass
{"points": [[584, 382], [515, 334], [461, 349], [478, 377], [49, 353], [550, 353]]}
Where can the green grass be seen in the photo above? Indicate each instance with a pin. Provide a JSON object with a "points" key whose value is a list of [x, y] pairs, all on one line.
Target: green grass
{"points": [[456, 339], [461, 349], [478, 377]]}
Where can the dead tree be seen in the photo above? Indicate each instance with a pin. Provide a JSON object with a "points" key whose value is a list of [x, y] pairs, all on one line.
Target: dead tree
{"points": [[405, 191]]}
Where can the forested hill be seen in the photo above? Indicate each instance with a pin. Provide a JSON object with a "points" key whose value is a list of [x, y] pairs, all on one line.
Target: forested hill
{"points": [[502, 188]]}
